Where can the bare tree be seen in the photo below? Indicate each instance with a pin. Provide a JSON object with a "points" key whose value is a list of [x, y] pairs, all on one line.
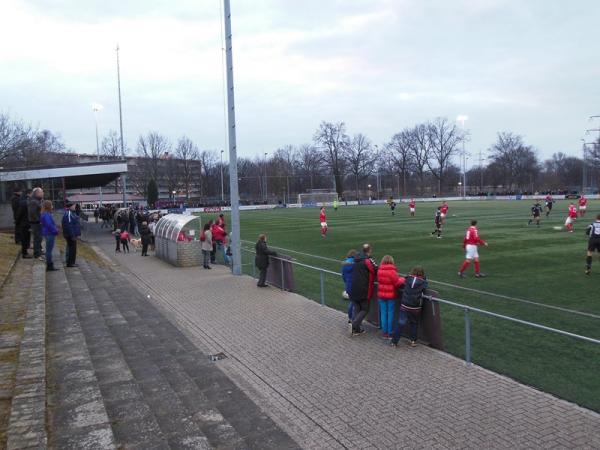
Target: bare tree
{"points": [[444, 138], [361, 159], [188, 156], [152, 148], [111, 145], [309, 162], [420, 152], [333, 141], [516, 162], [399, 150]]}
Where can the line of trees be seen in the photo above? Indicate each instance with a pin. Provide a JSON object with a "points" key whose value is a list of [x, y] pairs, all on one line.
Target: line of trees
{"points": [[417, 160]]}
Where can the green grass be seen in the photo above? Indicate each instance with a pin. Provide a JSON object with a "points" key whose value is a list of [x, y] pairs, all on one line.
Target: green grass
{"points": [[541, 265]]}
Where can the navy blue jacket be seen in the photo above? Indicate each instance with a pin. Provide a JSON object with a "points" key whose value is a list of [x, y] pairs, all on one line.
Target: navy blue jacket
{"points": [[70, 225]]}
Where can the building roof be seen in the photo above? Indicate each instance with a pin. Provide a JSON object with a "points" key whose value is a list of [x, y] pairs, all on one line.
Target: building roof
{"points": [[76, 176]]}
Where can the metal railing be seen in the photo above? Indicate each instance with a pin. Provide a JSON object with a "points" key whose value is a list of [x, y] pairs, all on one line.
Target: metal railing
{"points": [[466, 309]]}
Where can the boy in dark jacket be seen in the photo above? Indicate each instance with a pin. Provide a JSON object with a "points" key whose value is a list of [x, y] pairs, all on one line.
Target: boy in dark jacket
{"points": [[363, 282], [146, 237], [262, 259], [410, 305]]}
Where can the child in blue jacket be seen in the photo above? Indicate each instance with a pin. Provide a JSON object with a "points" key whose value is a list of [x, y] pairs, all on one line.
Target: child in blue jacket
{"points": [[347, 267]]}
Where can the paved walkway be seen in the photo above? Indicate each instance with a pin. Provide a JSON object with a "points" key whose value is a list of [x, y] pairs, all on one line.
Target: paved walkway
{"points": [[327, 390]]}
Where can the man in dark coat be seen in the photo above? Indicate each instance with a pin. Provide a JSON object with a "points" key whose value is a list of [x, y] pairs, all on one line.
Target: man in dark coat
{"points": [[71, 231], [14, 202], [145, 235], [262, 259], [22, 222], [363, 282], [34, 212]]}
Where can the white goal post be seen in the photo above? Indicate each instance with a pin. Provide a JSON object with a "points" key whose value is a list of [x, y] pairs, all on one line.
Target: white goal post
{"points": [[316, 197]]}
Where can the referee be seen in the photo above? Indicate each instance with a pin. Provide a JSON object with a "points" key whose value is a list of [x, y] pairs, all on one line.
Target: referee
{"points": [[593, 231]]}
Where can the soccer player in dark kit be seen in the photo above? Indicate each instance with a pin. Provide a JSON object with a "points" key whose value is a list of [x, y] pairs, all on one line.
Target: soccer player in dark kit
{"points": [[593, 232], [536, 212]]}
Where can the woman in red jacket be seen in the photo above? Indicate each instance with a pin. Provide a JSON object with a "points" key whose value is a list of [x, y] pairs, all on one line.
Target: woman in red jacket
{"points": [[388, 284]]}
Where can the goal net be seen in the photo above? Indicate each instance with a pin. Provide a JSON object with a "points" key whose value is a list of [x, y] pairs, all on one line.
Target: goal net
{"points": [[317, 197]]}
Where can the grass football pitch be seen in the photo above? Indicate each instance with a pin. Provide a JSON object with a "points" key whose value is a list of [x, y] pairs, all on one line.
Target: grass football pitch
{"points": [[529, 271]]}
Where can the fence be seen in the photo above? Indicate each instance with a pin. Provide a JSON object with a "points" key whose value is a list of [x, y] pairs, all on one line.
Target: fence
{"points": [[557, 361]]}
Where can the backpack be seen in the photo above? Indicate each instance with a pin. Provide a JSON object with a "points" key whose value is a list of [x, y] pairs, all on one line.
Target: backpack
{"points": [[202, 236]]}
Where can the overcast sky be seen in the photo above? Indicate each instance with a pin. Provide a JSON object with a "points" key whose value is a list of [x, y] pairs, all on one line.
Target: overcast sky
{"points": [[529, 66]]}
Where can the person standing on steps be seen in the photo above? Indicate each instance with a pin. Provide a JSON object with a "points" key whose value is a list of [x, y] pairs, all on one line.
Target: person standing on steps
{"points": [[14, 202], [71, 227], [364, 274], [23, 224], [49, 232], [34, 212], [262, 259], [206, 244]]}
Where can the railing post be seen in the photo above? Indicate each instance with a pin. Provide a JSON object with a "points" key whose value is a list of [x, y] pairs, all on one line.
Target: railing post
{"points": [[467, 337], [282, 277], [322, 288]]}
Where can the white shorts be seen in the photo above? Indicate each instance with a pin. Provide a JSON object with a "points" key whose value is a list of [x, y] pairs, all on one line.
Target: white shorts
{"points": [[443, 216], [569, 221], [323, 224], [582, 208], [471, 252], [412, 209]]}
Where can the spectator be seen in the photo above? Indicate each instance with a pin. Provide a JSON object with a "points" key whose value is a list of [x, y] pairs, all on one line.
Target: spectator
{"points": [[218, 237], [23, 224], [14, 202], [207, 245], [125, 237], [410, 305], [34, 212], [363, 281], [221, 221], [117, 234], [145, 236], [388, 283], [96, 214], [152, 227], [347, 266], [71, 231], [262, 259], [49, 231]]}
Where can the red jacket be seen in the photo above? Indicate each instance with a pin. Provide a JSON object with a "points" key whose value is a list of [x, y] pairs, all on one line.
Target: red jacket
{"points": [[218, 233], [472, 237], [388, 281]]}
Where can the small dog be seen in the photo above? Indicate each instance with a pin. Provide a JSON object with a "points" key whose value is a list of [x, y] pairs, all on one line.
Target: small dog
{"points": [[136, 244]]}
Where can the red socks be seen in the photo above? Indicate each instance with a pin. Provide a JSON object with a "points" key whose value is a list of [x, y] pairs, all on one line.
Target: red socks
{"points": [[464, 266], [476, 266]]}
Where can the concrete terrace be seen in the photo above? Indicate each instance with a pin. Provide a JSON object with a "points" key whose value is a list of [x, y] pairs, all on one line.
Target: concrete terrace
{"points": [[296, 361]]}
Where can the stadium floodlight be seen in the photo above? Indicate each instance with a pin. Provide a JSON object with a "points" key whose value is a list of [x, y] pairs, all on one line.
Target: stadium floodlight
{"points": [[97, 107], [462, 119]]}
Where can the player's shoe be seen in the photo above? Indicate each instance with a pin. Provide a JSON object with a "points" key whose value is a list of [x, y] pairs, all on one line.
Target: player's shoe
{"points": [[462, 275], [588, 271], [358, 332], [480, 275]]}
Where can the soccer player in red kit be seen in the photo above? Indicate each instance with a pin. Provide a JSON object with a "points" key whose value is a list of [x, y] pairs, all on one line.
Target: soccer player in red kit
{"points": [[582, 205], [571, 217], [470, 243], [444, 210], [411, 207], [323, 220]]}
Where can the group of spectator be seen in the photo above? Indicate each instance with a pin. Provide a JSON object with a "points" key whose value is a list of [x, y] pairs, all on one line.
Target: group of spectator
{"points": [[214, 238], [34, 221], [398, 297]]}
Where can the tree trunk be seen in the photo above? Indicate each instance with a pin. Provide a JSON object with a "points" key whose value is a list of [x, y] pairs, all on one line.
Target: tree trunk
{"points": [[356, 180]]}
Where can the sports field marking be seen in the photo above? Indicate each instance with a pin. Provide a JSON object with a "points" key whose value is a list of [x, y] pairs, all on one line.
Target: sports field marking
{"points": [[455, 286]]}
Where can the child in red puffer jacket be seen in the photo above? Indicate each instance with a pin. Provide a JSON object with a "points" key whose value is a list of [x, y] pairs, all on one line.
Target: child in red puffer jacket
{"points": [[388, 284]]}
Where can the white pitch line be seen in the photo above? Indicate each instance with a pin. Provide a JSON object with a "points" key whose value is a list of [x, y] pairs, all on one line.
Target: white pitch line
{"points": [[443, 283]]}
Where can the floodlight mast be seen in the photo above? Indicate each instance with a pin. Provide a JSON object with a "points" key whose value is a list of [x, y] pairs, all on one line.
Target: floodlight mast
{"points": [[236, 251]]}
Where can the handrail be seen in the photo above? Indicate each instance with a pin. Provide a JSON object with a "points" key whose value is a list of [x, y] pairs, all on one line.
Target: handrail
{"points": [[465, 308]]}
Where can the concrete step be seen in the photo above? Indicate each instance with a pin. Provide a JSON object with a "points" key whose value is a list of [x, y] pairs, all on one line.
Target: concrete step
{"points": [[151, 346], [77, 416], [217, 402]]}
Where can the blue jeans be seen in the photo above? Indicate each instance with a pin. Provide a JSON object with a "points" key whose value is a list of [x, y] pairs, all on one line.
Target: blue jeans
{"points": [[386, 316], [405, 317], [49, 247], [351, 311]]}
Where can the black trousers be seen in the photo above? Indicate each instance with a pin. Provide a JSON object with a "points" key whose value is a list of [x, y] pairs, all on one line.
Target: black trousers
{"points": [[71, 251], [25, 239], [262, 276], [17, 234], [144, 248], [36, 233], [361, 308]]}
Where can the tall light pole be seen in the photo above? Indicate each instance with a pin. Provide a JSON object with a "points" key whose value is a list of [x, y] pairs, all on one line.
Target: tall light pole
{"points": [[462, 119], [124, 176], [378, 183], [222, 187], [236, 252], [96, 108], [266, 190]]}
